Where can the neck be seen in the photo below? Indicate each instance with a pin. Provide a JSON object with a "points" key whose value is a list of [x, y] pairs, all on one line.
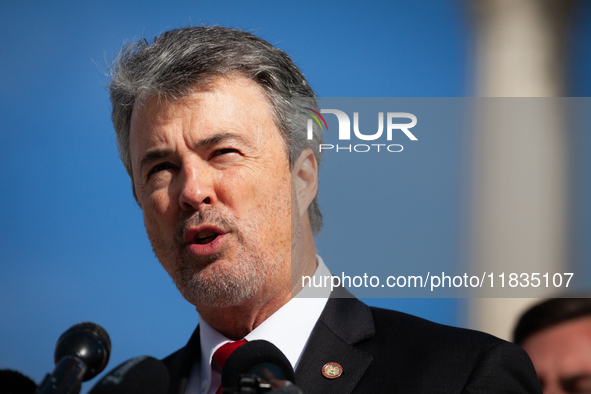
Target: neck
{"points": [[237, 321]]}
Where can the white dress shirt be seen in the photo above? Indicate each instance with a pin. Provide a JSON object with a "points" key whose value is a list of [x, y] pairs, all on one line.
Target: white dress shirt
{"points": [[288, 328]]}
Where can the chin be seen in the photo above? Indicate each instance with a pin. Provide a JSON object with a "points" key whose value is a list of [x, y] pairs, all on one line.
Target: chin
{"points": [[219, 287]]}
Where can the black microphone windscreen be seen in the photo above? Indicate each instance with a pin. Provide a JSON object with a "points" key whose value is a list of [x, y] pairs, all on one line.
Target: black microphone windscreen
{"points": [[87, 341], [250, 356], [15, 382], [144, 375]]}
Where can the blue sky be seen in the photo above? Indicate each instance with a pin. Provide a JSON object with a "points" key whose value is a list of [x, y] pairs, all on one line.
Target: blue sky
{"points": [[73, 246]]}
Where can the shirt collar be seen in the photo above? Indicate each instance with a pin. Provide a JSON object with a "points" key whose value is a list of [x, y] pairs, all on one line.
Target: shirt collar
{"points": [[301, 313]]}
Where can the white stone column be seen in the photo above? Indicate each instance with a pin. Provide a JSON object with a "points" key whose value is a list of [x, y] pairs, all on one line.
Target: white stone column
{"points": [[520, 172]]}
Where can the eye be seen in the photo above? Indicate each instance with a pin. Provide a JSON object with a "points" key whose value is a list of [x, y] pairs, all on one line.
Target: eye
{"points": [[160, 167], [224, 151]]}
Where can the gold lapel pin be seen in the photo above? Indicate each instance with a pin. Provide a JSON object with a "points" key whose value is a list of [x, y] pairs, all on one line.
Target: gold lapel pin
{"points": [[332, 370]]}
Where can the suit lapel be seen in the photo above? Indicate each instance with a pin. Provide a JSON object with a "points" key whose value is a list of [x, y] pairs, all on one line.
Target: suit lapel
{"points": [[179, 364], [343, 323]]}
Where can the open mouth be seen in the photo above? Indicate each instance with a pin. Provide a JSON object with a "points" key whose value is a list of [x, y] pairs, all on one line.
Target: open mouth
{"points": [[205, 237]]}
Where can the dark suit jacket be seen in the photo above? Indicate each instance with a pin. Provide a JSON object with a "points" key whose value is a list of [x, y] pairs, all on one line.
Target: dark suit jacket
{"points": [[383, 351]]}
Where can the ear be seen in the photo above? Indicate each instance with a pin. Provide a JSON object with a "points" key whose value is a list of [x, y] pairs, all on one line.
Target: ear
{"points": [[305, 176]]}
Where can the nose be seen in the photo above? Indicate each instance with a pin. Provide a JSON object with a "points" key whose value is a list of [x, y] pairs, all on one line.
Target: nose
{"points": [[197, 188]]}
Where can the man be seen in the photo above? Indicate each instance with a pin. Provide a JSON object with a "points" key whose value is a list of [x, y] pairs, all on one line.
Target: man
{"points": [[557, 336], [211, 136]]}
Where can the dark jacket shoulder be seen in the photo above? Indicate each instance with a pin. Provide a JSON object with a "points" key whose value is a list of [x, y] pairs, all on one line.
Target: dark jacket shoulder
{"points": [[411, 354], [443, 358], [384, 351]]}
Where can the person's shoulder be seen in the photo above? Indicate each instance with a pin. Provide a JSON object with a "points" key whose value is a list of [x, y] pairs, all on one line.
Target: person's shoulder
{"points": [[400, 324], [438, 342], [449, 358], [344, 314]]}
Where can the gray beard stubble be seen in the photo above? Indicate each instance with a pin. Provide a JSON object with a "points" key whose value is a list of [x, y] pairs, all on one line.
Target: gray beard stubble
{"points": [[221, 287]]}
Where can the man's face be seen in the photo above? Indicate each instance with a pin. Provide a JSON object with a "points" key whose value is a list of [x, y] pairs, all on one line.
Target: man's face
{"points": [[213, 180], [562, 357]]}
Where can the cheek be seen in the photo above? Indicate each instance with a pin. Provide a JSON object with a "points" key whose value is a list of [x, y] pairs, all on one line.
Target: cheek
{"points": [[239, 191], [278, 207], [158, 211]]}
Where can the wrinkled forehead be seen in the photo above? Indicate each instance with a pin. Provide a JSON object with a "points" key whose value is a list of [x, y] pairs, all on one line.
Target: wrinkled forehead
{"points": [[225, 104]]}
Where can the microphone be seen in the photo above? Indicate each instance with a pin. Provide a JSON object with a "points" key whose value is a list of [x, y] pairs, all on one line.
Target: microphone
{"points": [[15, 382], [258, 367], [141, 375], [81, 353]]}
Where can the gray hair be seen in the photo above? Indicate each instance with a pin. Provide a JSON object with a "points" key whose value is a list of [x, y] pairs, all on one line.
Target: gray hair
{"points": [[181, 59]]}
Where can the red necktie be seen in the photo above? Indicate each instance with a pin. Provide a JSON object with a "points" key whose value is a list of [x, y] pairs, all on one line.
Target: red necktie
{"points": [[221, 355]]}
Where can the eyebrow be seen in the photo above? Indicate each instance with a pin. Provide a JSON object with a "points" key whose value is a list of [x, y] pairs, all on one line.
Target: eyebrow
{"points": [[153, 156], [215, 139], [212, 140]]}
